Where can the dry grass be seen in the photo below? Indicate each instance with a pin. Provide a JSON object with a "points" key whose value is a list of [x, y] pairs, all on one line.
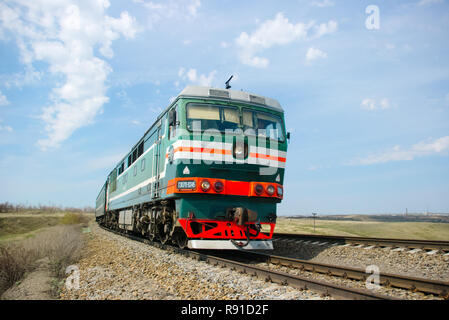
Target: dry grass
{"points": [[14, 263], [20, 227], [402, 230], [24, 225], [61, 244], [74, 218]]}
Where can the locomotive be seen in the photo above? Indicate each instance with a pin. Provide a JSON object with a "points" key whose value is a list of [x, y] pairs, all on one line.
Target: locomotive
{"points": [[207, 174]]}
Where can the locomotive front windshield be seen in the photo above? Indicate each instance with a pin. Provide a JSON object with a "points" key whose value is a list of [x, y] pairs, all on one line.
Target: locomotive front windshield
{"points": [[212, 117], [222, 118]]}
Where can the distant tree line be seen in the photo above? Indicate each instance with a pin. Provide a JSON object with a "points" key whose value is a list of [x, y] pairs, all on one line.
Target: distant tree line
{"points": [[6, 207]]}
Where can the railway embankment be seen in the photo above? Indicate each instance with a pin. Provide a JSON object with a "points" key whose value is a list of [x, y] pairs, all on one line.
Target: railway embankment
{"points": [[115, 267]]}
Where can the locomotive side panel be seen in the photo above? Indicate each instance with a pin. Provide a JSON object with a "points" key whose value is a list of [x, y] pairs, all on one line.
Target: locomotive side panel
{"points": [[100, 203], [136, 184]]}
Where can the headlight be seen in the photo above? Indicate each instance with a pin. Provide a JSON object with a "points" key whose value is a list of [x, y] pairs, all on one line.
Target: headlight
{"points": [[270, 190], [258, 189], [186, 184], [218, 186], [205, 185], [239, 150], [280, 191]]}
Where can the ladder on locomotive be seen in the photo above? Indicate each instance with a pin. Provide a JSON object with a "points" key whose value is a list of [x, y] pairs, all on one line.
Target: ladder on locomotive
{"points": [[157, 160]]}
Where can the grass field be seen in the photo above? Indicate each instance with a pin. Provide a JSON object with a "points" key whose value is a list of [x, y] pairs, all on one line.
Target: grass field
{"points": [[28, 237], [19, 226], [401, 230]]}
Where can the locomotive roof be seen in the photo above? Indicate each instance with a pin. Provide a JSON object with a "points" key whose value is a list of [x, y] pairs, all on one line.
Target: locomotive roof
{"points": [[227, 94]]}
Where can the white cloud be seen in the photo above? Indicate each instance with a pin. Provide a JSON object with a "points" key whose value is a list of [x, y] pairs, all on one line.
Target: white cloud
{"points": [[171, 9], [277, 32], [323, 3], [421, 149], [325, 28], [5, 128], [3, 100], [181, 72], [385, 104], [192, 7], [315, 53], [65, 34], [371, 104], [429, 2], [26, 77], [193, 77]]}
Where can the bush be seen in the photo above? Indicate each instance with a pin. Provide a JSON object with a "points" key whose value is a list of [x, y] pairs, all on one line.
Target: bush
{"points": [[15, 261], [74, 218], [66, 250], [61, 244]]}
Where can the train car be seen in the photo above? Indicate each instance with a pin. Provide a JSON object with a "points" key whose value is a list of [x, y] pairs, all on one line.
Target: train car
{"points": [[207, 174]]}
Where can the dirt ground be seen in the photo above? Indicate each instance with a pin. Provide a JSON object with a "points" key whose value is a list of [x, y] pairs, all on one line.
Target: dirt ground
{"points": [[35, 286]]}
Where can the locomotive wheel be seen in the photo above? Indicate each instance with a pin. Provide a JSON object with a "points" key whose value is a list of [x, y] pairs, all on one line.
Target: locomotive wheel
{"points": [[181, 240], [163, 238], [151, 232], [164, 233]]}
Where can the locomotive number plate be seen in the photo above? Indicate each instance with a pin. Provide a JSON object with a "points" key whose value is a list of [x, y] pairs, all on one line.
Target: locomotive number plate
{"points": [[187, 184]]}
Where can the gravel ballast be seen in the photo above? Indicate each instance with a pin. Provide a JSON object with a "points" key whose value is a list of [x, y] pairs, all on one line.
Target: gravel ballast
{"points": [[419, 264], [115, 267]]}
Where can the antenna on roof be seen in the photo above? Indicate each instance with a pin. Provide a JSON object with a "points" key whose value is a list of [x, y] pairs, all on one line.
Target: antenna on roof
{"points": [[227, 82]]}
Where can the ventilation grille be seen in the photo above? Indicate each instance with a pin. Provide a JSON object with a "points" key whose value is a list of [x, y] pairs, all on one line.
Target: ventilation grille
{"points": [[256, 99], [219, 93]]}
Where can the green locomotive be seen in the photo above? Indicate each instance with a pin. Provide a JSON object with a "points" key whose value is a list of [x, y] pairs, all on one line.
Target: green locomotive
{"points": [[206, 175]]}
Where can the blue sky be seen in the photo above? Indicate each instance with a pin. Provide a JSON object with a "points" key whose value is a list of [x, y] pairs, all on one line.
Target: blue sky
{"points": [[366, 93]]}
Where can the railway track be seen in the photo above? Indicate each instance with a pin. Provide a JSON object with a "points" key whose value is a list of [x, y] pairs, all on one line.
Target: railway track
{"points": [[414, 284], [302, 283], [426, 245]]}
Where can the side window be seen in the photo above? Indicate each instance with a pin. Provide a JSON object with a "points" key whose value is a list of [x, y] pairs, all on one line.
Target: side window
{"points": [[164, 121], [142, 165], [140, 149], [173, 121], [134, 155], [121, 168], [151, 139], [113, 180], [135, 171], [130, 160]]}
